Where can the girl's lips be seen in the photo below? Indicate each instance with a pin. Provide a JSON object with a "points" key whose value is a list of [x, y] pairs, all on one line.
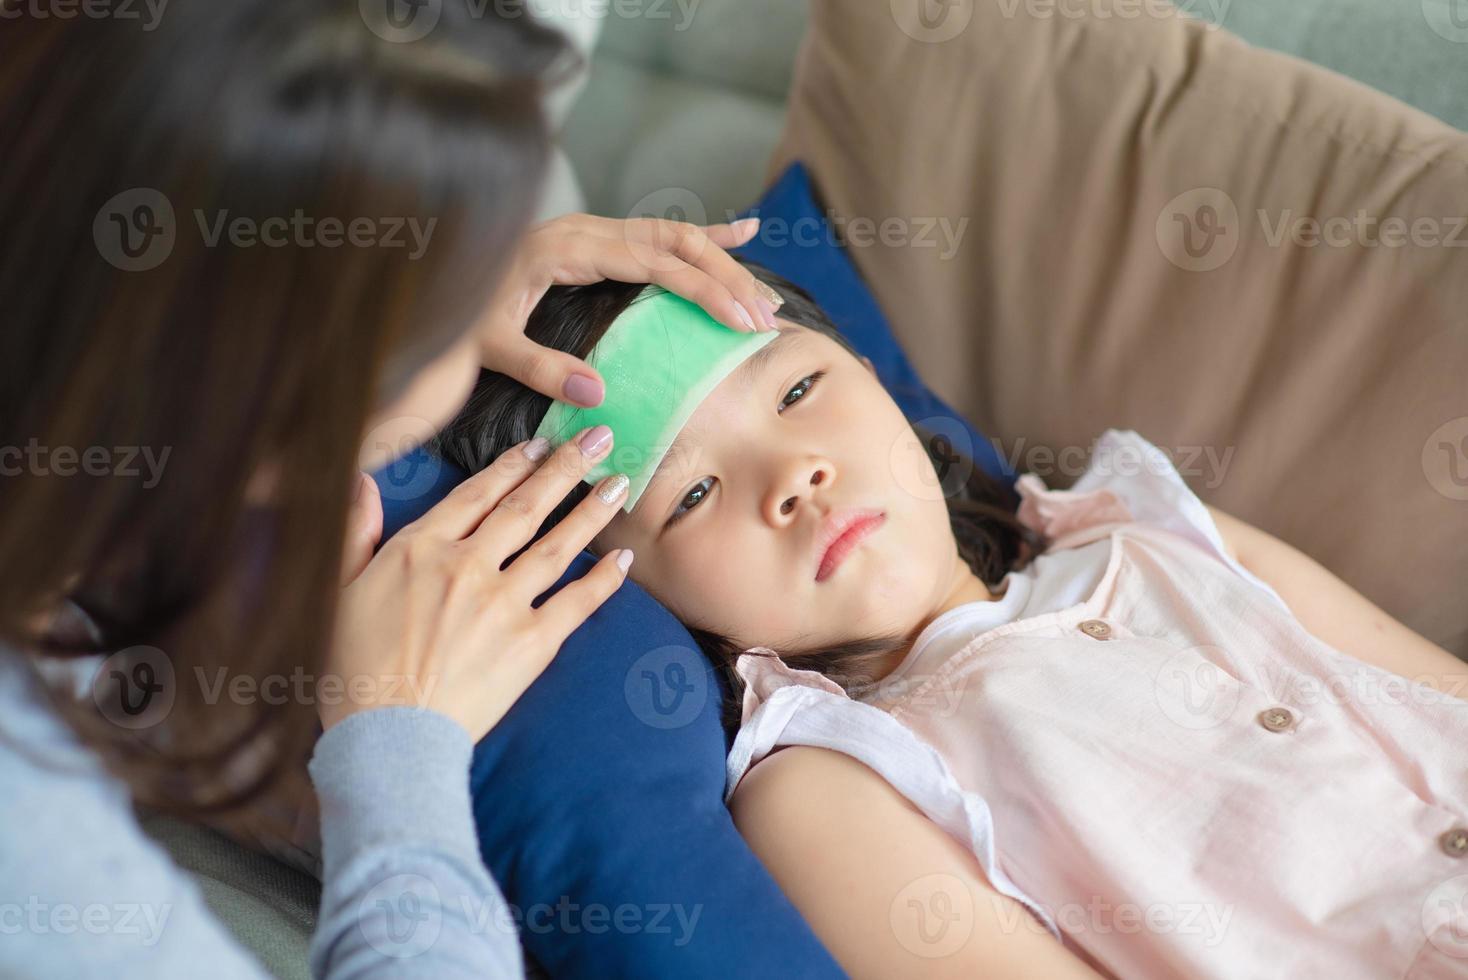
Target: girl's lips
{"points": [[855, 528]]}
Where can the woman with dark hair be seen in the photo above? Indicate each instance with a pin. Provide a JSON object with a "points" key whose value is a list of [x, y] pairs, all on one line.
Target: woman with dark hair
{"points": [[236, 242]]}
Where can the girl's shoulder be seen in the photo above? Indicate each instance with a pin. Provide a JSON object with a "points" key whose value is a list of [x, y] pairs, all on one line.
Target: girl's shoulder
{"points": [[1127, 480], [1130, 481]]}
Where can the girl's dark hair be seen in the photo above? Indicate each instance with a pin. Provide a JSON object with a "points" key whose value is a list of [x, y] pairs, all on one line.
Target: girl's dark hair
{"points": [[171, 284], [502, 413]]}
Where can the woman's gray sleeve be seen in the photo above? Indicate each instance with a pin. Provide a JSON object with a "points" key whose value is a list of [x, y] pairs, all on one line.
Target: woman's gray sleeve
{"points": [[84, 892], [406, 893]]}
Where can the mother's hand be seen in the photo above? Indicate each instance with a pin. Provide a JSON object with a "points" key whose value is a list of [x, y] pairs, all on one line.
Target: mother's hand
{"points": [[433, 620], [579, 249]]}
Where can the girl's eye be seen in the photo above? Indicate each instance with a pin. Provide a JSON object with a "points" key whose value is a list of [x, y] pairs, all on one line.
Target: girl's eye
{"points": [[800, 390], [695, 497]]}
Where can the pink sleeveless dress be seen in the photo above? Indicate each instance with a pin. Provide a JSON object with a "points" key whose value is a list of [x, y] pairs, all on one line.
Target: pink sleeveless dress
{"points": [[1170, 772]]}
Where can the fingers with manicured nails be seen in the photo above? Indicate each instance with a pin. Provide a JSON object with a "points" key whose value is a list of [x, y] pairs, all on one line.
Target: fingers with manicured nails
{"points": [[578, 249], [694, 246], [547, 559], [671, 247], [517, 517], [466, 506], [565, 611], [555, 374], [364, 527], [732, 234]]}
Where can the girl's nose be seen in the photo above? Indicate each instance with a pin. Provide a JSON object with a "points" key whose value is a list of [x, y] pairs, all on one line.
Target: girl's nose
{"points": [[794, 487]]}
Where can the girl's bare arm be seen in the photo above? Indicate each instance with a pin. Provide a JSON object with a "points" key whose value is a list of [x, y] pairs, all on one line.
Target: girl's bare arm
{"points": [[1337, 613], [889, 892]]}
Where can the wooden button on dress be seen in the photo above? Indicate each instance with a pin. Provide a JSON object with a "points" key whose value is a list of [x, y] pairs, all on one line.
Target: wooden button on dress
{"points": [[1276, 719], [1097, 629], [1454, 842]]}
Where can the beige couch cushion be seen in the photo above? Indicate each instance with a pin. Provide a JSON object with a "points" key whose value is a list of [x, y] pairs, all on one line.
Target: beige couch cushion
{"points": [[1125, 181]]}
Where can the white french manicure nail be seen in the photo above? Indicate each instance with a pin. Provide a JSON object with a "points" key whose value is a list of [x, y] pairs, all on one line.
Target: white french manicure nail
{"points": [[624, 559], [743, 314]]}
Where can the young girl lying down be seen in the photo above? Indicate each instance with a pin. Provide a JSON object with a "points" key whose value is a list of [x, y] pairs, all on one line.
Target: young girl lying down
{"points": [[1116, 732]]}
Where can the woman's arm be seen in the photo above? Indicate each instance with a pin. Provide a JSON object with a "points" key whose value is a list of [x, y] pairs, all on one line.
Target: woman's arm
{"points": [[1337, 613], [83, 892], [889, 892], [405, 892]]}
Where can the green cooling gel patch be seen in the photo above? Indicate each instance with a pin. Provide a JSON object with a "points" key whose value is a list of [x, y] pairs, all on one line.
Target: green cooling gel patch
{"points": [[660, 359]]}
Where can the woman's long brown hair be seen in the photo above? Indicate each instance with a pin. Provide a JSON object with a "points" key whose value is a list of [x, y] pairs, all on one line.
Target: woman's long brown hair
{"points": [[248, 368]]}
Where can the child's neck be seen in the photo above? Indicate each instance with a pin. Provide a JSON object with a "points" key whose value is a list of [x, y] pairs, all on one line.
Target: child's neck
{"points": [[961, 588]]}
